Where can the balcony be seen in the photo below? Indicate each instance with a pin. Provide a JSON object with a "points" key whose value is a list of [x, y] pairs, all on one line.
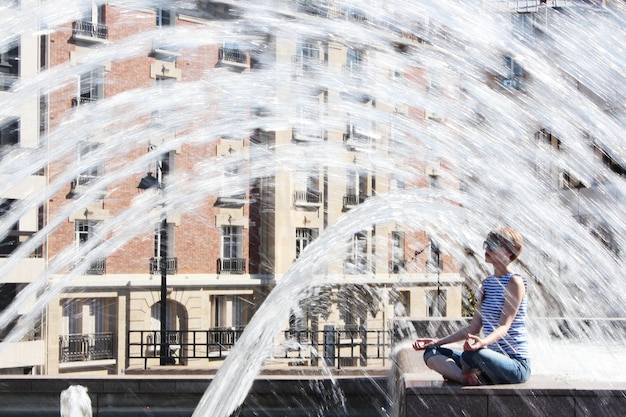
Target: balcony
{"points": [[308, 198], [231, 266], [233, 58], [9, 68], [352, 200], [13, 240], [308, 134], [89, 32], [85, 347], [82, 183], [171, 265], [97, 267], [235, 200], [397, 266], [358, 265], [360, 139], [82, 100], [7, 81], [525, 6]]}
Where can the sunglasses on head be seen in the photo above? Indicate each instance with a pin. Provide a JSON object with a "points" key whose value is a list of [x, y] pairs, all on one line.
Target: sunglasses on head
{"points": [[488, 244]]}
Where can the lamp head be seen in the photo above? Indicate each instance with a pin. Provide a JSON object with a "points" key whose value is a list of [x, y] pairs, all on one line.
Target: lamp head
{"points": [[149, 181]]}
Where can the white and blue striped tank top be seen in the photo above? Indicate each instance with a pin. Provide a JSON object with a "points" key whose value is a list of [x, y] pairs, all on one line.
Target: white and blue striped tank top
{"points": [[515, 343]]}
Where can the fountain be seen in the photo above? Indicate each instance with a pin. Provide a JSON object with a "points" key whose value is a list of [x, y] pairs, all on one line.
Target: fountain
{"points": [[516, 145]]}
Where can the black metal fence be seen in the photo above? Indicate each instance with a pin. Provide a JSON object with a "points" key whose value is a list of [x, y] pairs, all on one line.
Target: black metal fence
{"points": [[331, 347]]}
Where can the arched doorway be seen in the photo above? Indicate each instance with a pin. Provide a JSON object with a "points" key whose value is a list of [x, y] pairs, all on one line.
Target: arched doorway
{"points": [[176, 325]]}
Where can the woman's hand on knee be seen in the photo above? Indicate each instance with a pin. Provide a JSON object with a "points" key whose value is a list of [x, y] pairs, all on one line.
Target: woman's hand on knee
{"points": [[473, 342], [421, 344]]}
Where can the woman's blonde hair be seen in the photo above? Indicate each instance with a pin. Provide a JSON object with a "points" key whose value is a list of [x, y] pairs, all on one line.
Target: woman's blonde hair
{"points": [[509, 238]]}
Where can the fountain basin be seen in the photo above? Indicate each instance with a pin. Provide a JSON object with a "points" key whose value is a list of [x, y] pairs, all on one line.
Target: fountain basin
{"points": [[408, 390]]}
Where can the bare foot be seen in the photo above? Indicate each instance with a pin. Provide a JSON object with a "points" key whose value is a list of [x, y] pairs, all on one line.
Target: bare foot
{"points": [[472, 377]]}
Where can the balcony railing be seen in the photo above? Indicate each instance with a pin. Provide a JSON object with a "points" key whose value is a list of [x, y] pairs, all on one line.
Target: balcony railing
{"points": [[97, 267], [90, 30], [85, 347], [233, 57], [171, 265], [352, 200], [307, 198], [360, 265], [234, 200], [231, 265], [13, 240], [396, 266], [360, 138], [82, 100], [308, 134], [7, 81]]}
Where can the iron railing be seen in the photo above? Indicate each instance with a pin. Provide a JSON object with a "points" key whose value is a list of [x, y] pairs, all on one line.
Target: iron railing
{"points": [[171, 265], [97, 267], [309, 197], [85, 347], [231, 265], [352, 200], [236, 56], [182, 344], [90, 29], [335, 347]]}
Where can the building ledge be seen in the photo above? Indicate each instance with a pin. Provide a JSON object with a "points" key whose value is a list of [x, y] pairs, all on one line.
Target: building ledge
{"points": [[87, 364]]}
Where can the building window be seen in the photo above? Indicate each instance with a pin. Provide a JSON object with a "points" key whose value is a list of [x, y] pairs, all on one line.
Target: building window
{"points": [[354, 60], [397, 252], [397, 182], [9, 67], [232, 250], [11, 241], [436, 302], [164, 18], [435, 263], [304, 237], [232, 310], [433, 180], [86, 152], [87, 330], [513, 74], [523, 25], [402, 307], [307, 187], [10, 133], [91, 87], [356, 186], [357, 261], [85, 316], [84, 231], [242, 310], [95, 13]]}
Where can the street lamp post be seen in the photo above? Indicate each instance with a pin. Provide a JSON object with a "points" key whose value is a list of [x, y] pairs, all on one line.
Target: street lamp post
{"points": [[149, 181]]}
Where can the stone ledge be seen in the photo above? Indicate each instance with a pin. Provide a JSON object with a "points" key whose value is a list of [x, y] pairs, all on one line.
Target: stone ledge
{"points": [[538, 397], [422, 392]]}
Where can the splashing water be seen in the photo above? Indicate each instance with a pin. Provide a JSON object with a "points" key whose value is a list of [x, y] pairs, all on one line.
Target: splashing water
{"points": [[496, 168]]}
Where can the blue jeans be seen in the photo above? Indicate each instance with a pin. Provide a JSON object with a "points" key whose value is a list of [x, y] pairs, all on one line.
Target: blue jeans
{"points": [[496, 368]]}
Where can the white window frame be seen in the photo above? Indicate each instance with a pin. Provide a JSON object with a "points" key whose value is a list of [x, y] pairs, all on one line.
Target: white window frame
{"points": [[232, 242], [304, 237]]}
